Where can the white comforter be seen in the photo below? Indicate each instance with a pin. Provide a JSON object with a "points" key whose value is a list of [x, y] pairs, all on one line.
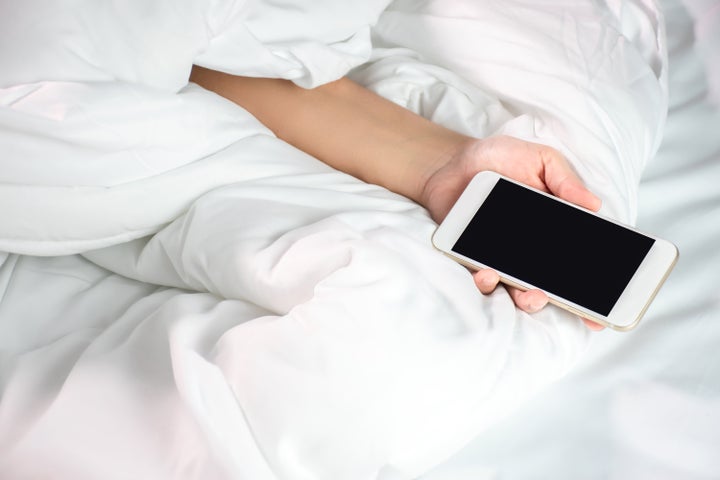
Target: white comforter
{"points": [[185, 296]]}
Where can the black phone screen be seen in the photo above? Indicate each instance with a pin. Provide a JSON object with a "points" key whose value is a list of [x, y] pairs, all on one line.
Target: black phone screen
{"points": [[554, 247]]}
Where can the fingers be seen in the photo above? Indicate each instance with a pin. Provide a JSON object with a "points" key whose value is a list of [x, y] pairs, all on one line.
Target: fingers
{"points": [[563, 182], [486, 280], [571, 189], [529, 301], [537, 165], [596, 327]]}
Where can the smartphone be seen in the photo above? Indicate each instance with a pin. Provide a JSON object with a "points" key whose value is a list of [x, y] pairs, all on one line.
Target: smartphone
{"points": [[590, 265]]}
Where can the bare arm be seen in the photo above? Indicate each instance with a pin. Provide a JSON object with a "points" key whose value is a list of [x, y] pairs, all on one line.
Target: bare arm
{"points": [[353, 130], [346, 126]]}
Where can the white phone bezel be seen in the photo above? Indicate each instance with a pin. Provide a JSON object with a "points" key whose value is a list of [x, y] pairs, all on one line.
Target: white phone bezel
{"points": [[634, 300]]}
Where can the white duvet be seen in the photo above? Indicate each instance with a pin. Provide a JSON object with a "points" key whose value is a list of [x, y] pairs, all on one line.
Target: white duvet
{"points": [[186, 296]]}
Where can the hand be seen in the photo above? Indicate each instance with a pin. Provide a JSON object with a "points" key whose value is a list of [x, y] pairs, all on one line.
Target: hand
{"points": [[407, 153], [533, 164]]}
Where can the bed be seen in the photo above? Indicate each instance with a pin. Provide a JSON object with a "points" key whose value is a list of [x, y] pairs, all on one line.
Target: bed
{"points": [[183, 295]]}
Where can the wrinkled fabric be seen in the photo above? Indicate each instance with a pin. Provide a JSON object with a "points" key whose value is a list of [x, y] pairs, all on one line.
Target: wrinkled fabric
{"points": [[155, 43], [229, 307]]}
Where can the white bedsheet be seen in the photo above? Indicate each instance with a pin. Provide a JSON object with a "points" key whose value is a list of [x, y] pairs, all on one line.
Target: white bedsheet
{"points": [[220, 305], [644, 405]]}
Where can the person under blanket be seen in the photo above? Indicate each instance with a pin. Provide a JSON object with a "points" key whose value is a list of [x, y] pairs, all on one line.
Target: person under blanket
{"points": [[356, 131]]}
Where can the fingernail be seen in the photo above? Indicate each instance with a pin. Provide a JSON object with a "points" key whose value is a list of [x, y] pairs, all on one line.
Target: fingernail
{"points": [[533, 307]]}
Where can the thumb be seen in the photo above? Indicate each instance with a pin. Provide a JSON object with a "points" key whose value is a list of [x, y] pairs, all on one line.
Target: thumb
{"points": [[562, 182]]}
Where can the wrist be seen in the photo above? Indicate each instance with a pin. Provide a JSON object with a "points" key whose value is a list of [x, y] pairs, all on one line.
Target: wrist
{"points": [[446, 176], [431, 156]]}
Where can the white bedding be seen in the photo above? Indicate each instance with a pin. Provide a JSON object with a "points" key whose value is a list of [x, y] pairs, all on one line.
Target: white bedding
{"points": [[644, 405], [185, 296]]}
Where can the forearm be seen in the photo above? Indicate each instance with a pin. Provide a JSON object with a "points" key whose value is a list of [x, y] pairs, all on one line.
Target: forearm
{"points": [[358, 132], [346, 126]]}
